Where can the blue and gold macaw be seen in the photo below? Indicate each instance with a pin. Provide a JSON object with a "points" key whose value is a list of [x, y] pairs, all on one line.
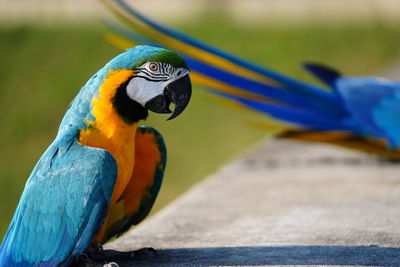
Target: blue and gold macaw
{"points": [[102, 173], [355, 112]]}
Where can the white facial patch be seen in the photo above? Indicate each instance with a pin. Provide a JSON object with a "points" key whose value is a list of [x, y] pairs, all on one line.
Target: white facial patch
{"points": [[151, 79]]}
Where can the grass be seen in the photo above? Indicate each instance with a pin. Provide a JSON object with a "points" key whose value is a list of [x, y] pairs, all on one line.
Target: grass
{"points": [[43, 67]]}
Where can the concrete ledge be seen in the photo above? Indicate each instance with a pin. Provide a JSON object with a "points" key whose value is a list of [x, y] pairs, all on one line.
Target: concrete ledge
{"points": [[284, 203]]}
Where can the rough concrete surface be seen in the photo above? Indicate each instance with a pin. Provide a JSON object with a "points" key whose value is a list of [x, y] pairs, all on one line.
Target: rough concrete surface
{"points": [[282, 204]]}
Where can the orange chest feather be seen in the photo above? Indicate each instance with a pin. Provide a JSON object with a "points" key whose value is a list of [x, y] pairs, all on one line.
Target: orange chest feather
{"points": [[108, 131]]}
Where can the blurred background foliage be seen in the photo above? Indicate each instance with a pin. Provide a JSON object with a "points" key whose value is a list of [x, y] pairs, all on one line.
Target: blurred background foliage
{"points": [[44, 65]]}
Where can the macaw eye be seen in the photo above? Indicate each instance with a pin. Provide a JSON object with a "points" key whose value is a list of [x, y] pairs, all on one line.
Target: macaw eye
{"points": [[153, 67]]}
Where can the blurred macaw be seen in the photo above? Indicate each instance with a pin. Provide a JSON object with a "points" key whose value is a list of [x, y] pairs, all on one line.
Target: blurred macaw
{"points": [[356, 112], [103, 172]]}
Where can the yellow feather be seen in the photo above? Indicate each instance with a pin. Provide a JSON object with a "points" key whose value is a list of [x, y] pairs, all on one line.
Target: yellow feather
{"points": [[118, 41], [108, 131], [271, 126]]}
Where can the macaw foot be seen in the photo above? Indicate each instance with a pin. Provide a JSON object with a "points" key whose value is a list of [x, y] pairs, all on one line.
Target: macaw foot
{"points": [[84, 261], [99, 257]]}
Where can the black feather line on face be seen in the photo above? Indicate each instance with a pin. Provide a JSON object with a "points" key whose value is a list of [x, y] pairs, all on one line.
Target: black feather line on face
{"points": [[146, 72], [129, 110], [150, 79]]}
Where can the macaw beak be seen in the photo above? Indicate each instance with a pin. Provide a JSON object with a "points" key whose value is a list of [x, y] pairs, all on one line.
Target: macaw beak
{"points": [[177, 92]]}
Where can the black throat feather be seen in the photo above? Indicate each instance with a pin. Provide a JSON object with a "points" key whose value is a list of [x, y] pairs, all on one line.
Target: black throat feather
{"points": [[129, 110]]}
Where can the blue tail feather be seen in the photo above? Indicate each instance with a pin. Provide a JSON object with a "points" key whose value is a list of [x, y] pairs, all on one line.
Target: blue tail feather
{"points": [[302, 117], [290, 82], [324, 73]]}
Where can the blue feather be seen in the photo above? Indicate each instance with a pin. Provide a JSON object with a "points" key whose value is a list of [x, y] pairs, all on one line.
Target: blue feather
{"points": [[374, 103], [301, 117], [70, 187], [279, 92], [324, 73]]}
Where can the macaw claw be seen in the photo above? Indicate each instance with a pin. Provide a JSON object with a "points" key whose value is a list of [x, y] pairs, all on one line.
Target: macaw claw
{"points": [[99, 257], [84, 261]]}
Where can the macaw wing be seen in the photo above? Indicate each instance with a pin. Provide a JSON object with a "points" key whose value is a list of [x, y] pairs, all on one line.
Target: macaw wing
{"points": [[62, 207], [375, 103], [142, 190]]}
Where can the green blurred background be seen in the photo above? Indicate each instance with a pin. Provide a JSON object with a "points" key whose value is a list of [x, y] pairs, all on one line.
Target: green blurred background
{"points": [[43, 65]]}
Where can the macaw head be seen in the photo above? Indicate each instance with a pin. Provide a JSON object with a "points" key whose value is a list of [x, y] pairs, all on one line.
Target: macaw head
{"points": [[154, 79]]}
